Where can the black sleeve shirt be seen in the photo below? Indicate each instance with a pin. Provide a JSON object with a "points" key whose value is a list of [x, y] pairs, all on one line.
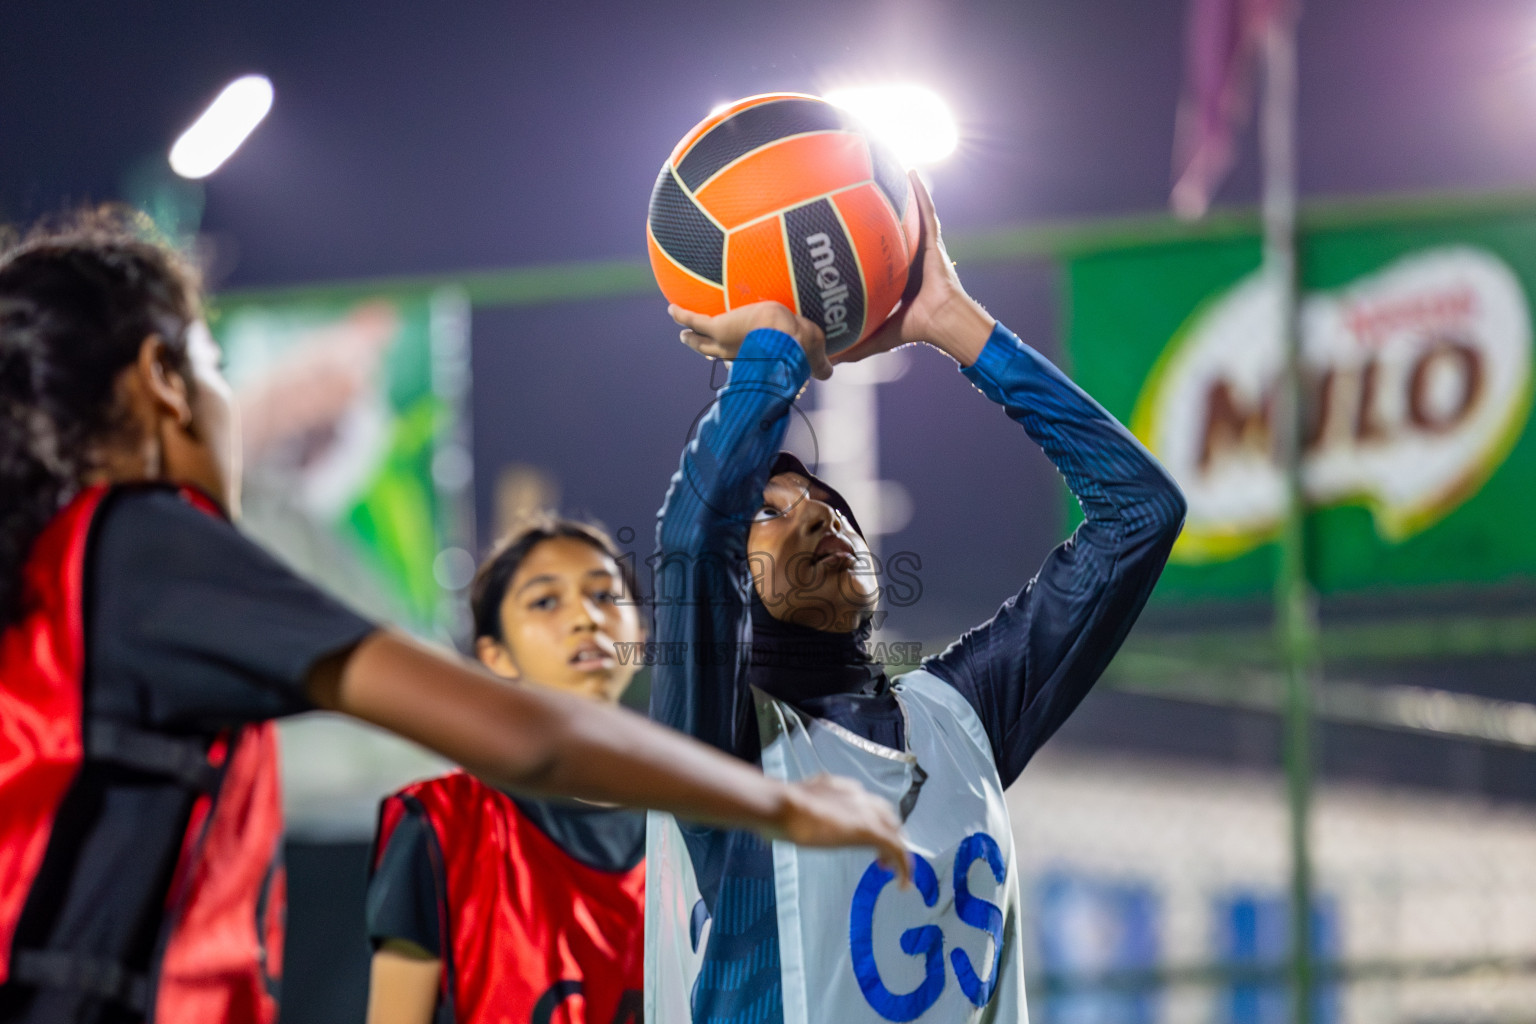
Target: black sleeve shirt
{"points": [[191, 626], [404, 895]]}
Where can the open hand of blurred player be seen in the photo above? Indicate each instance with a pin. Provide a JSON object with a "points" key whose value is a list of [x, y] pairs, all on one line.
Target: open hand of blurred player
{"points": [[829, 811], [720, 337], [936, 310]]}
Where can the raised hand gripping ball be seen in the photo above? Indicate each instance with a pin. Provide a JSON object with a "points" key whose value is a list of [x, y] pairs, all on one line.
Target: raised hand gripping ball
{"points": [[785, 197]]}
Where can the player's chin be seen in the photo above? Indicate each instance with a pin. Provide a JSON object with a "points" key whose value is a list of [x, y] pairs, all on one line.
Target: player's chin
{"points": [[593, 685], [851, 588]]}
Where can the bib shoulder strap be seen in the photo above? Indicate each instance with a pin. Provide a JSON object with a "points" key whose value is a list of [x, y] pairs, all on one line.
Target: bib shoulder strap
{"points": [[924, 691], [59, 969], [183, 760]]}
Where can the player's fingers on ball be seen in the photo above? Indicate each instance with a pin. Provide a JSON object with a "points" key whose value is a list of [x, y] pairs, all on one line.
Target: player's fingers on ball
{"points": [[687, 317], [768, 307], [814, 343], [702, 344], [821, 366]]}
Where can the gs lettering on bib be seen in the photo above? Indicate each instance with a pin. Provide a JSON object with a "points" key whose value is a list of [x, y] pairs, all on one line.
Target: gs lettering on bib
{"points": [[854, 947]]}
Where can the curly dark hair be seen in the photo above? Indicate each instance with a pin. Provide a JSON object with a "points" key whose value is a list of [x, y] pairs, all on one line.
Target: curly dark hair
{"points": [[495, 573], [78, 297]]}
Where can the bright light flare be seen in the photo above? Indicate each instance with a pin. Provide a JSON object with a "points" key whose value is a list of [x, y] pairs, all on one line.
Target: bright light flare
{"points": [[228, 121], [911, 119]]}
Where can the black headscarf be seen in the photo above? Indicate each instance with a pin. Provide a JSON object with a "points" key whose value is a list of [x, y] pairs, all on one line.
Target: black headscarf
{"points": [[828, 675]]}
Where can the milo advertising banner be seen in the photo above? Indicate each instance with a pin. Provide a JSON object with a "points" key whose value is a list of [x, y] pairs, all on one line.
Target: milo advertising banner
{"points": [[1419, 466], [355, 466]]}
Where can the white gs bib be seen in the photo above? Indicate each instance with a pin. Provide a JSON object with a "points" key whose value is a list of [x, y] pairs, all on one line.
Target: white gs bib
{"points": [[854, 947]]}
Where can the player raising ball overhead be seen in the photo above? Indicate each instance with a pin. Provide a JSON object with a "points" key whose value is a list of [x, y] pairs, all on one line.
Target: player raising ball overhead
{"points": [[751, 544], [147, 644]]}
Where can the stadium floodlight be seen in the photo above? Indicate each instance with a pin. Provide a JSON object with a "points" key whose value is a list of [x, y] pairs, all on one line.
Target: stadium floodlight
{"points": [[909, 118], [228, 121]]}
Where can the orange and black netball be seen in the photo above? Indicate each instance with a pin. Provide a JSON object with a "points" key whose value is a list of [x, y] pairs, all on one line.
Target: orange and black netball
{"points": [[785, 197]]}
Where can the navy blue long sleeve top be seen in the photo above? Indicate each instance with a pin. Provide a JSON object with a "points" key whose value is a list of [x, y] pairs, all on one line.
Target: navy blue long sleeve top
{"points": [[1023, 671]]}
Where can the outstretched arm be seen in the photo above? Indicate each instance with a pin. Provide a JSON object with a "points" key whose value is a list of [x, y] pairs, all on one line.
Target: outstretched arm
{"points": [[221, 633], [547, 743]]}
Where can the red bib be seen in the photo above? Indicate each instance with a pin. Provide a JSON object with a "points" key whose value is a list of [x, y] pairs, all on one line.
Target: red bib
{"points": [[532, 935], [220, 950]]}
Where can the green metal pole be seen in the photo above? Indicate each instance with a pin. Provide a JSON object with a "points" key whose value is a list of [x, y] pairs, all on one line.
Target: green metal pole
{"points": [[1295, 606]]}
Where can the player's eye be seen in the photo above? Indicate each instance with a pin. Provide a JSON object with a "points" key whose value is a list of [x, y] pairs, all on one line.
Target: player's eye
{"points": [[543, 604], [605, 597], [766, 513]]}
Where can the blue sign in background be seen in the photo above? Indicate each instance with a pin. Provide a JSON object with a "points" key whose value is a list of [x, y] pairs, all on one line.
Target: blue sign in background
{"points": [[1090, 927]]}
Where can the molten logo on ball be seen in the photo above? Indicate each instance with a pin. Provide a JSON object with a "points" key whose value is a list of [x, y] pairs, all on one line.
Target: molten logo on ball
{"points": [[834, 294]]}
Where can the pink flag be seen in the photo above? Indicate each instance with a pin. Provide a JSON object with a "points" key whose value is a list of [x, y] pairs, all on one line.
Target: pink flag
{"points": [[1222, 45]]}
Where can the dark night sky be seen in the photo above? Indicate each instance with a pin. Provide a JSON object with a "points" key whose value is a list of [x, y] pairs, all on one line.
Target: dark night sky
{"points": [[409, 137]]}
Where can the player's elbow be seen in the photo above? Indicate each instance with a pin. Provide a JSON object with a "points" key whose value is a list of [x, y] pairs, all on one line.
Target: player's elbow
{"points": [[1166, 507], [1174, 508]]}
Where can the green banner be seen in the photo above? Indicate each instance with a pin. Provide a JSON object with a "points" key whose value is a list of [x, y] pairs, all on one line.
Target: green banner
{"points": [[355, 465], [1420, 464]]}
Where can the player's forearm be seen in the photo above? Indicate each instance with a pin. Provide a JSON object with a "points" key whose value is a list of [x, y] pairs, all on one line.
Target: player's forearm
{"points": [[1113, 477], [700, 571], [1026, 669], [961, 328], [545, 743], [622, 758], [720, 480]]}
